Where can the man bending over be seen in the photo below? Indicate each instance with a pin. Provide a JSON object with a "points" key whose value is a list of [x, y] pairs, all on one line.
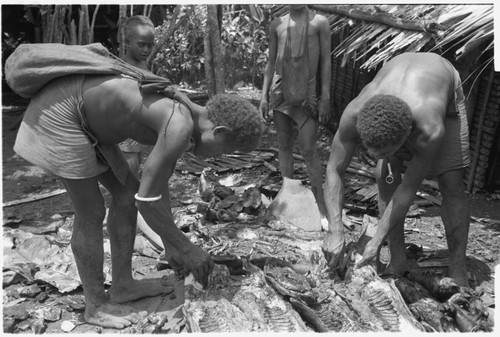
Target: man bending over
{"points": [[72, 127], [414, 112]]}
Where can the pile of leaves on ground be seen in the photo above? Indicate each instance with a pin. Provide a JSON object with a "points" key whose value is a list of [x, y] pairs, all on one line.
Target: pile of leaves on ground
{"points": [[42, 290]]}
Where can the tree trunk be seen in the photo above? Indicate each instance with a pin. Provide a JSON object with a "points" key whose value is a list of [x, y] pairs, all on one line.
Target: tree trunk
{"points": [[85, 25], [60, 29], [73, 36], [121, 32], [213, 33], [92, 26], [209, 69]]}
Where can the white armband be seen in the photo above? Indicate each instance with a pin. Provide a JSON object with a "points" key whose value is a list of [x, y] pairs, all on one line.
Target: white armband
{"points": [[151, 199]]}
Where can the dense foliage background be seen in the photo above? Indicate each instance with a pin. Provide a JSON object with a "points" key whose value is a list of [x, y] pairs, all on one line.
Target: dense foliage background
{"points": [[243, 35], [244, 48]]}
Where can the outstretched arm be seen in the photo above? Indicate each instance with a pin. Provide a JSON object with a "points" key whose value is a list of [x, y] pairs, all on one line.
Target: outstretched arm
{"points": [[343, 146], [428, 144], [173, 137]]}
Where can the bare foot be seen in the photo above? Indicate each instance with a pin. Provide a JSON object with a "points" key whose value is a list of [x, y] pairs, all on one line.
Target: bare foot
{"points": [[457, 270], [139, 289], [109, 315], [460, 276], [398, 267]]}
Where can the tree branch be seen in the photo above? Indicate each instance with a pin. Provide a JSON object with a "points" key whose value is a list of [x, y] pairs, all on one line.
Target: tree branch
{"points": [[380, 17]]}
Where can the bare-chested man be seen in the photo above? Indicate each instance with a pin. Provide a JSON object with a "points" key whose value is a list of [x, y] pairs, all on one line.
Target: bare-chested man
{"points": [[306, 35], [413, 111], [71, 129]]}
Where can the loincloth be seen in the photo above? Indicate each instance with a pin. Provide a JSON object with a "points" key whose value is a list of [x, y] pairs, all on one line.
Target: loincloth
{"points": [[454, 151], [299, 114], [54, 134]]}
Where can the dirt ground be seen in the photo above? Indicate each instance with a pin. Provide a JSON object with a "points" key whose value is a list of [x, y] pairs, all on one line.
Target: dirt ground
{"points": [[21, 179]]}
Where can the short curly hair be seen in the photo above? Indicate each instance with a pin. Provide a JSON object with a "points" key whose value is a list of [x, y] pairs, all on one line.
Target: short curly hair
{"points": [[383, 121], [240, 116]]}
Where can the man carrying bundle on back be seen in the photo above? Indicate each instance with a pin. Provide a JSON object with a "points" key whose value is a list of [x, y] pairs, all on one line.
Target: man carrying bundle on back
{"points": [[72, 127]]}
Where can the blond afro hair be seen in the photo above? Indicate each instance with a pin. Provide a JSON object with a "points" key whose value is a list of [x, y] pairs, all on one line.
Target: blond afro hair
{"points": [[240, 116]]}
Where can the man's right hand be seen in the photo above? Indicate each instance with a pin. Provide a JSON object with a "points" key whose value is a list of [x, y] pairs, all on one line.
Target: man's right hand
{"points": [[199, 263], [333, 247], [264, 109]]}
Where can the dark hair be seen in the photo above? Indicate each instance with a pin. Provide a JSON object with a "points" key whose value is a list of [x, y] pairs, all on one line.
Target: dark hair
{"points": [[383, 121], [134, 21], [240, 116]]}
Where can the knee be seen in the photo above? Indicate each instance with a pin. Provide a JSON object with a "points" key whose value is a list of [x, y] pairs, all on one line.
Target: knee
{"points": [[308, 151], [125, 200], [87, 223], [124, 197], [286, 142], [451, 185]]}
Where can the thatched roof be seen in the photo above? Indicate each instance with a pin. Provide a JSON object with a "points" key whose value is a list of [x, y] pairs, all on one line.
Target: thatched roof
{"points": [[372, 34]]}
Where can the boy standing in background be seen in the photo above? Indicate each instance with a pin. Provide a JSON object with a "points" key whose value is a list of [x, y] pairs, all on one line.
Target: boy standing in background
{"points": [[299, 44], [139, 42]]}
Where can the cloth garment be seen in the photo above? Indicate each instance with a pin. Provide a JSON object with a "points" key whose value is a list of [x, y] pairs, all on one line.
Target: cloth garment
{"points": [[299, 114], [32, 65], [54, 134], [454, 151], [296, 81]]}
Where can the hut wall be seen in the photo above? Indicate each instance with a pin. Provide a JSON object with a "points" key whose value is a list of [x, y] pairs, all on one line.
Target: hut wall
{"points": [[484, 138], [347, 81]]}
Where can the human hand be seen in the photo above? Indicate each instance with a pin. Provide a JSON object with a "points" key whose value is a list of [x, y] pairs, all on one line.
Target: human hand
{"points": [[324, 111], [370, 255], [175, 261], [264, 109], [160, 87], [333, 248], [199, 263], [170, 91]]}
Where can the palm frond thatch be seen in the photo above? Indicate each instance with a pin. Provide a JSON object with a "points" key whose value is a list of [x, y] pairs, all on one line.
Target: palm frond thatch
{"points": [[372, 34]]}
